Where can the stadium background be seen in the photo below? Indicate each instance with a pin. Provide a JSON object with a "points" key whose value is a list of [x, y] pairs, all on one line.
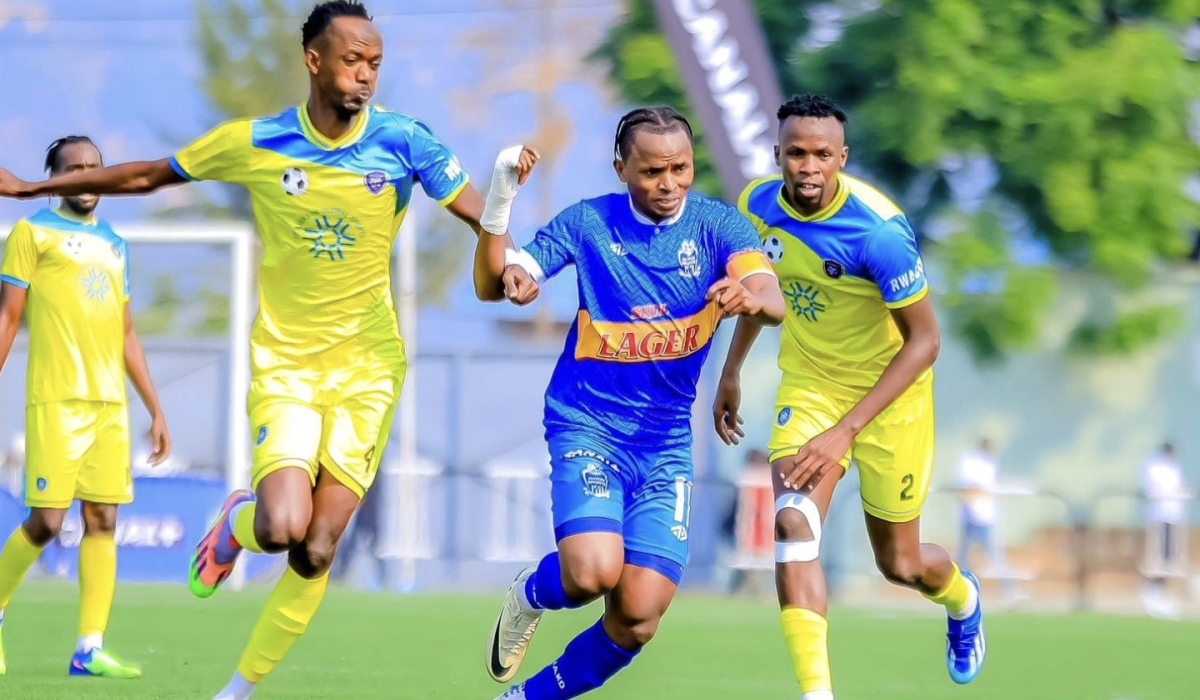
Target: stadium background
{"points": [[1072, 428]]}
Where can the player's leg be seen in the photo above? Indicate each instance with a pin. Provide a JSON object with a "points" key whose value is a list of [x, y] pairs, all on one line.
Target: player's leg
{"points": [[55, 446], [298, 595], [587, 497], [800, 579], [105, 482], [895, 459], [351, 441], [275, 516], [799, 518], [655, 553]]}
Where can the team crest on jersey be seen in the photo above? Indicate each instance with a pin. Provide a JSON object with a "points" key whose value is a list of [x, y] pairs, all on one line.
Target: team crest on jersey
{"points": [[834, 269], [773, 247], [42, 484], [375, 182], [262, 436], [116, 251], [785, 415], [595, 481], [806, 301], [95, 284], [331, 231], [689, 260], [294, 181]]}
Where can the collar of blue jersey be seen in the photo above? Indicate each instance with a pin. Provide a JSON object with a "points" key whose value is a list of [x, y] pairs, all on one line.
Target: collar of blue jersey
{"points": [[669, 221], [839, 200], [321, 141], [64, 213]]}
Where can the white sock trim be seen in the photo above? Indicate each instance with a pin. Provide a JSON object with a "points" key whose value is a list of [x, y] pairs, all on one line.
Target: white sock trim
{"points": [[972, 603], [90, 642]]}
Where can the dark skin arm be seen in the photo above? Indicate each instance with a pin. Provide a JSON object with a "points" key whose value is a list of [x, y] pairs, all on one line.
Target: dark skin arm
{"points": [[141, 177], [139, 373], [729, 392], [922, 343], [12, 305], [494, 281]]}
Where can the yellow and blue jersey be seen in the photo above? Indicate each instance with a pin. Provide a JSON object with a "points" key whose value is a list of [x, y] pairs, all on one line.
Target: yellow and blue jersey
{"points": [[328, 213], [841, 270], [634, 353], [76, 274]]}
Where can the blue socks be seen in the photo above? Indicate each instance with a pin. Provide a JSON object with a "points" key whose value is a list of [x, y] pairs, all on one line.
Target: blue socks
{"points": [[586, 664], [544, 590]]}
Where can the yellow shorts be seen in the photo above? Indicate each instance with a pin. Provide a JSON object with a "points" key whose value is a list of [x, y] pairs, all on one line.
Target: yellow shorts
{"points": [[894, 453], [338, 419], [77, 450]]}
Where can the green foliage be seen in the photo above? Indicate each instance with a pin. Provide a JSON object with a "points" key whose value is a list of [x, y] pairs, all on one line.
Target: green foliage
{"points": [[1082, 105]]}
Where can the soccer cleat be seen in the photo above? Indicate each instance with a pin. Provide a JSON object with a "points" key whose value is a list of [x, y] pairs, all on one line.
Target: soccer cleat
{"points": [[514, 693], [206, 574], [966, 647], [97, 663], [514, 628]]}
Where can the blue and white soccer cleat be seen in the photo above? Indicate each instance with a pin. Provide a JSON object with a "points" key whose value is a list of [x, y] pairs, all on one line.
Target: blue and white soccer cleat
{"points": [[965, 644]]}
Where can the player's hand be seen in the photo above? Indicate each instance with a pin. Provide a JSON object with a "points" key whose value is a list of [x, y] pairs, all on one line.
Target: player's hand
{"points": [[529, 158], [160, 439], [12, 186], [821, 454], [733, 298], [519, 287], [725, 411]]}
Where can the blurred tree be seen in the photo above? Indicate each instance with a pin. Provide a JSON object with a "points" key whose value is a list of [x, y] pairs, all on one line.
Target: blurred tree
{"points": [[1081, 106]]}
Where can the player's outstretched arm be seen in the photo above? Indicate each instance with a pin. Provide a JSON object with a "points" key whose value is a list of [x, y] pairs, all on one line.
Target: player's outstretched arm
{"points": [[12, 305], [726, 419], [141, 177], [139, 373], [494, 278], [756, 297]]}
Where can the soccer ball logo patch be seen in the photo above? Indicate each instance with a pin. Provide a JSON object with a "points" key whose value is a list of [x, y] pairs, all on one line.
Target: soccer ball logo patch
{"points": [[294, 181], [774, 249]]}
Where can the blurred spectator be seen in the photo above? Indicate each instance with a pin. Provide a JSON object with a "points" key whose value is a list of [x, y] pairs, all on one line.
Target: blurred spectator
{"points": [[1166, 497], [12, 468], [748, 526], [977, 483]]}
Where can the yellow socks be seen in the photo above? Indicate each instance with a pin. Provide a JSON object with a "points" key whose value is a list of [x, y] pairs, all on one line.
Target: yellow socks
{"points": [[807, 637], [97, 583], [288, 611], [959, 596], [243, 527], [16, 560]]}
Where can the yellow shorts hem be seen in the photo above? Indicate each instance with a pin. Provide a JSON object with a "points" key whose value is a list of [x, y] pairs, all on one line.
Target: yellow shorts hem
{"points": [[48, 504], [121, 500], [890, 516], [785, 452], [279, 465], [343, 477]]}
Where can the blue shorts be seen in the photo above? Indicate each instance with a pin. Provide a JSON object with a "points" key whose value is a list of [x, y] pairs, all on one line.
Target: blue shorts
{"points": [[644, 495]]}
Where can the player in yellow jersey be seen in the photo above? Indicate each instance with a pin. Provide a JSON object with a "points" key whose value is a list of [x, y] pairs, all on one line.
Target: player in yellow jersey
{"points": [[858, 347], [68, 273], [330, 182]]}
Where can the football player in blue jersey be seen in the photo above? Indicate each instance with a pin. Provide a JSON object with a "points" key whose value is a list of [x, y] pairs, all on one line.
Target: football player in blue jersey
{"points": [[658, 270]]}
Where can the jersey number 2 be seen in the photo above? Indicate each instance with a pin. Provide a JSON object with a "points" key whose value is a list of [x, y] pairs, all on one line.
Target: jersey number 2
{"points": [[907, 481]]}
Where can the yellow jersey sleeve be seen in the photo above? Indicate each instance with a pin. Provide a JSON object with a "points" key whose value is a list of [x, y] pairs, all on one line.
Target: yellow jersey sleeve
{"points": [[222, 154], [20, 256]]}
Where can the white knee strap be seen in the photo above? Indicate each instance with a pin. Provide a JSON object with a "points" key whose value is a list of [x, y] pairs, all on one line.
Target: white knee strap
{"points": [[810, 550]]}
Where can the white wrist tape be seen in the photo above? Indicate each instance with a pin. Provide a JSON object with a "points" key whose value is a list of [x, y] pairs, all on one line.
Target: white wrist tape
{"points": [[498, 208]]}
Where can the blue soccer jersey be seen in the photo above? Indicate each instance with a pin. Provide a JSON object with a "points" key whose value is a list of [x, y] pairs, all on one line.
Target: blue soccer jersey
{"points": [[618, 409], [634, 353]]}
